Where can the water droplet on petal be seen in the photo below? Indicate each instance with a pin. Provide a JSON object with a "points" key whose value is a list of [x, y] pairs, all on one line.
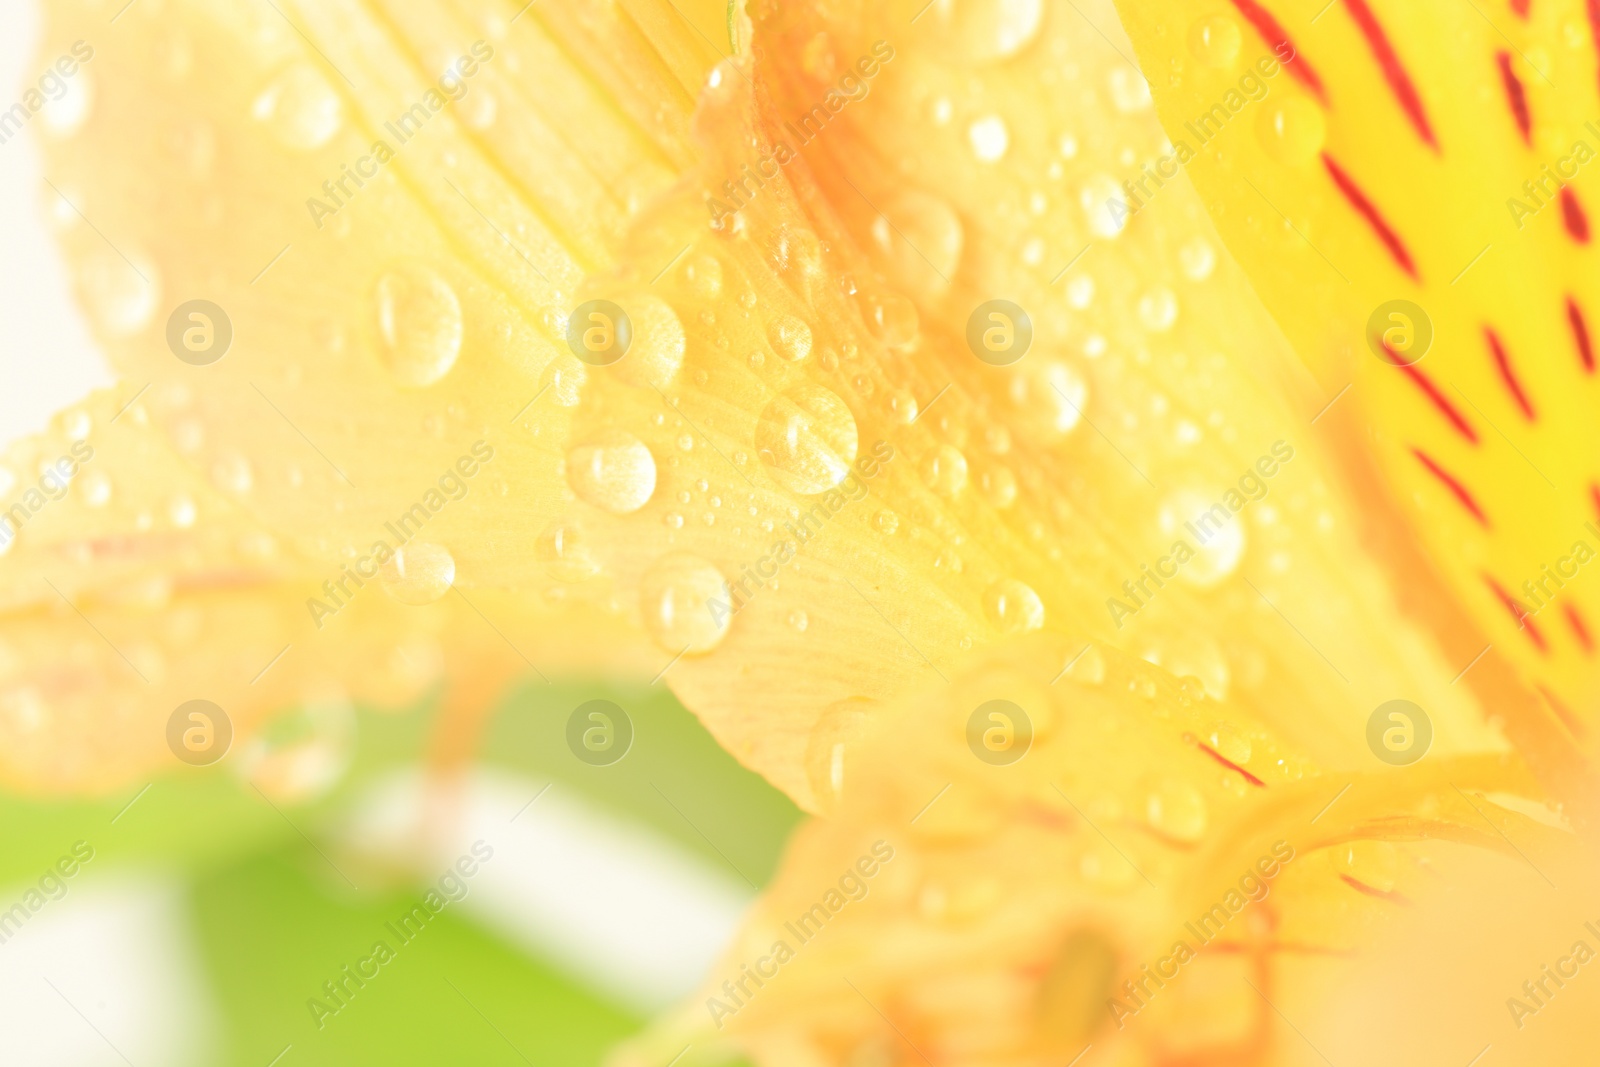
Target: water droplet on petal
{"points": [[986, 30], [1089, 668], [1214, 41], [1013, 607], [922, 237], [1129, 90], [300, 108], [121, 296], [685, 603], [614, 471], [944, 470], [1158, 309], [1104, 206], [419, 324], [1177, 810], [655, 354], [790, 337], [1217, 539], [564, 552], [419, 572], [1197, 259], [838, 730], [95, 488], [1292, 129], [886, 521], [64, 115], [989, 138], [807, 439], [1232, 743]]}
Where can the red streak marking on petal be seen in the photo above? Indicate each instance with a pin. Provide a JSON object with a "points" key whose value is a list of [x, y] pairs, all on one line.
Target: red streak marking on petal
{"points": [[1278, 40], [1515, 96], [1366, 210], [1524, 620], [1454, 486], [1224, 760], [1563, 712], [1431, 391], [1372, 891], [1520, 8], [1579, 629], [1593, 7], [1572, 214], [1503, 362], [1580, 334], [1393, 72]]}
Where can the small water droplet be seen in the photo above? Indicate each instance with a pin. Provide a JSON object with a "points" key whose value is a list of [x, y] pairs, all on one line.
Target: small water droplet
{"points": [[1104, 206], [1013, 607], [1176, 809], [1089, 668], [944, 470], [1197, 259], [1129, 91], [989, 138], [1214, 41], [1158, 309], [121, 296], [1372, 863], [799, 620], [564, 551], [886, 521], [95, 488]]}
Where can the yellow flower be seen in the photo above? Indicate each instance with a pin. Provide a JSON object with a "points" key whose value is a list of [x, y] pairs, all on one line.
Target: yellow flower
{"points": [[837, 368]]}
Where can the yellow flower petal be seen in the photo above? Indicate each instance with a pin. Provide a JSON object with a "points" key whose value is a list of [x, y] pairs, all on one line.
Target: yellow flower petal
{"points": [[1372, 205], [1001, 906]]}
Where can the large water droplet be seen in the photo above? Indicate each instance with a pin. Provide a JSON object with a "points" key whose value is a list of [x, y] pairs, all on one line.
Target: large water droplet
{"points": [[807, 439], [300, 108], [419, 572], [686, 604], [419, 324], [1013, 607], [614, 471], [300, 756]]}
